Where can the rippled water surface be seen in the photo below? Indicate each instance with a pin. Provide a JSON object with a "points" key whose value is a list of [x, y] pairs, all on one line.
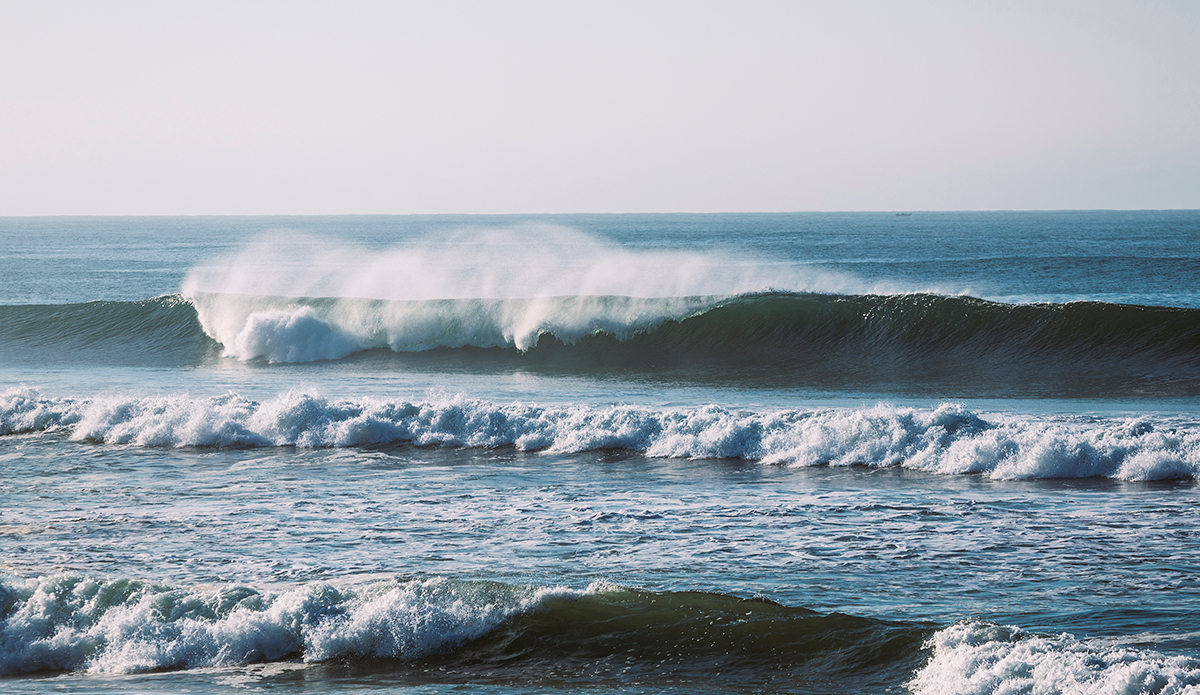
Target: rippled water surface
{"points": [[894, 474]]}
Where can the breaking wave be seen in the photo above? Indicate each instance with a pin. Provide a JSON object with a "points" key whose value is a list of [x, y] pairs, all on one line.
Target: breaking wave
{"points": [[948, 439], [908, 343], [280, 329], [474, 631], [452, 630]]}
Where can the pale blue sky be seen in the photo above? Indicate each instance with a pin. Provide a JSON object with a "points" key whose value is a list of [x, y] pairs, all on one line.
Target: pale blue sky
{"points": [[523, 107]]}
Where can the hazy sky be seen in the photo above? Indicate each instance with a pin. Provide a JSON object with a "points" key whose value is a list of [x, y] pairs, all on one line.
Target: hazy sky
{"points": [[481, 107]]}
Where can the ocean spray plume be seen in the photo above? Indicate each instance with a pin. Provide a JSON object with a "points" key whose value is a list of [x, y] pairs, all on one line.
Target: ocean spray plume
{"points": [[949, 439], [527, 261], [513, 285]]}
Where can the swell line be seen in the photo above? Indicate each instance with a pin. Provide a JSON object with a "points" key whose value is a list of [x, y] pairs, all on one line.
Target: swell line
{"points": [[951, 346]]}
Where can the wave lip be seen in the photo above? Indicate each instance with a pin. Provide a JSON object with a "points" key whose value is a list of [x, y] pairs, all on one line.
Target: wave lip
{"points": [[760, 325], [948, 439], [627, 636]]}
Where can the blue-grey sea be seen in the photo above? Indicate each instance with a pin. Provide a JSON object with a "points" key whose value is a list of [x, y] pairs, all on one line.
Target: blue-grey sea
{"points": [[923, 452]]}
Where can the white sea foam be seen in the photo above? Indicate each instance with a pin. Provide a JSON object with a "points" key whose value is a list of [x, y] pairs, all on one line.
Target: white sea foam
{"points": [[25, 410], [281, 329], [972, 658], [948, 439], [295, 335], [69, 622], [517, 284]]}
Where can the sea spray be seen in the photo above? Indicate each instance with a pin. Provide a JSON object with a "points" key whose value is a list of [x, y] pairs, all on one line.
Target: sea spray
{"points": [[948, 439], [516, 285], [524, 261]]}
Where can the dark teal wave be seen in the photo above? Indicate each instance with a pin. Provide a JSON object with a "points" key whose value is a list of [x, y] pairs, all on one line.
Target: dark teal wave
{"points": [[955, 346], [162, 331], [710, 642]]}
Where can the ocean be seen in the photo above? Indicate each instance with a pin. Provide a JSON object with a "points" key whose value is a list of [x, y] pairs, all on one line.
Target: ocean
{"points": [[927, 452]]}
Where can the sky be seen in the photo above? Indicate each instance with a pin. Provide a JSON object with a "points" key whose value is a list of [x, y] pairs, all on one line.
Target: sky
{"points": [[153, 108]]}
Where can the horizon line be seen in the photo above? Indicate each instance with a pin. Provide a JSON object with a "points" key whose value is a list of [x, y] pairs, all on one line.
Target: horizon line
{"points": [[589, 214]]}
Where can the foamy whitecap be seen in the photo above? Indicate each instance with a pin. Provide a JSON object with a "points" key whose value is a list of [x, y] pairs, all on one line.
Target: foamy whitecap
{"points": [[291, 336], [948, 439], [282, 329], [24, 409], [972, 658]]}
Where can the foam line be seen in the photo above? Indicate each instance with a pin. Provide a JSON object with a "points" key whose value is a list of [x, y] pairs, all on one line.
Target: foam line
{"points": [[948, 439]]}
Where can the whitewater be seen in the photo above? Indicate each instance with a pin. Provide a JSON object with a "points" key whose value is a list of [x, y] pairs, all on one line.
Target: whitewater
{"points": [[803, 453], [948, 439]]}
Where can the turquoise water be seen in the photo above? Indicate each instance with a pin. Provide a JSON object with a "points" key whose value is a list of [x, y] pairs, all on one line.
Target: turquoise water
{"points": [[735, 453]]}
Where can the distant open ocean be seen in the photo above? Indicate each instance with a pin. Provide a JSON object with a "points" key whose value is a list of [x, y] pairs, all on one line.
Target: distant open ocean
{"points": [[753, 453]]}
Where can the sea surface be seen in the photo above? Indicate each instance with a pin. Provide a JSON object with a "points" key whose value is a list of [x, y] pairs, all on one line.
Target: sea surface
{"points": [[925, 453]]}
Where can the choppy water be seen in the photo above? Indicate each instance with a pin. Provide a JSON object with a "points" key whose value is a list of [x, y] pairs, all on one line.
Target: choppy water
{"points": [[818, 453]]}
